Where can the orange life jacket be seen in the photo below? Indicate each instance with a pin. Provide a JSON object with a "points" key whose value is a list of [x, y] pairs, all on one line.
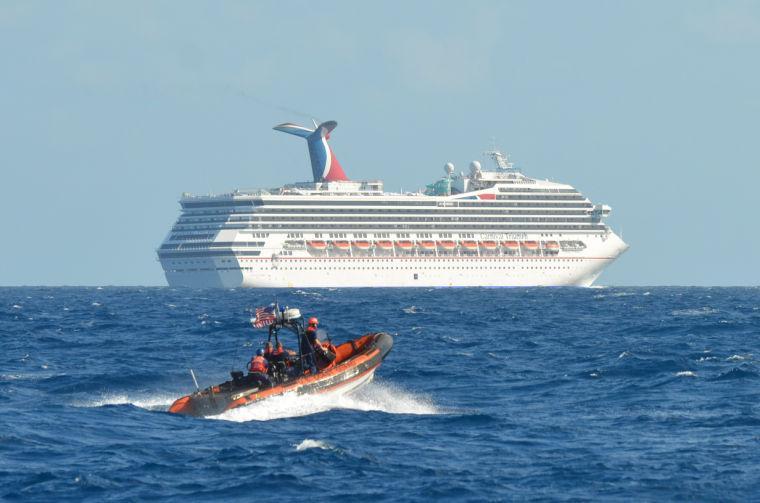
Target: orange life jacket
{"points": [[259, 364]]}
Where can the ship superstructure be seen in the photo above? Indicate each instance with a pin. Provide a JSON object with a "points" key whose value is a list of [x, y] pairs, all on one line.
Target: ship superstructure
{"points": [[493, 227]]}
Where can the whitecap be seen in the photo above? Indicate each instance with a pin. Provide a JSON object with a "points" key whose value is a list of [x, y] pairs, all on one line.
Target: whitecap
{"points": [[170, 306], [307, 294], [16, 306], [702, 311], [686, 373], [309, 443], [412, 310], [738, 358], [646, 293], [37, 376], [96, 304], [623, 354]]}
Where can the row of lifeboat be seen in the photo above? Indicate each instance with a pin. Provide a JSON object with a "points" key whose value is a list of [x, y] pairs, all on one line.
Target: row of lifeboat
{"points": [[432, 245]]}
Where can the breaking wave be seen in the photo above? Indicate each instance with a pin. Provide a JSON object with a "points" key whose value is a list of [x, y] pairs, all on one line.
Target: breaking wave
{"points": [[309, 443]]}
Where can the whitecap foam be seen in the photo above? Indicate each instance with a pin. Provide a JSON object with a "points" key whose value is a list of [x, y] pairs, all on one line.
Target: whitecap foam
{"points": [[373, 397], [159, 401], [309, 443], [412, 310], [25, 376], [702, 311], [738, 358], [686, 373], [16, 306], [307, 294]]}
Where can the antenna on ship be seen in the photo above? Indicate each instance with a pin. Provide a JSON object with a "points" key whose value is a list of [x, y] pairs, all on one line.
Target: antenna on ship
{"points": [[500, 158]]}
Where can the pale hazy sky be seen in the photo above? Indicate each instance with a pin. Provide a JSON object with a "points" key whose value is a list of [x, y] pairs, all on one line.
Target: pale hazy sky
{"points": [[108, 111]]}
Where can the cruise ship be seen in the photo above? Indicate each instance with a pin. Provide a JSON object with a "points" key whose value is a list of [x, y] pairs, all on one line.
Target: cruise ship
{"points": [[488, 227]]}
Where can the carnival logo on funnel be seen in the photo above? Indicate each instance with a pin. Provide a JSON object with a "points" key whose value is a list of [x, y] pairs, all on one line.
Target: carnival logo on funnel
{"points": [[324, 165]]}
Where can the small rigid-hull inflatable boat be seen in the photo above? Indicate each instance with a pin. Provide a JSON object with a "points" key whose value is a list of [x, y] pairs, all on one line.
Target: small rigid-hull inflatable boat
{"points": [[348, 366]]}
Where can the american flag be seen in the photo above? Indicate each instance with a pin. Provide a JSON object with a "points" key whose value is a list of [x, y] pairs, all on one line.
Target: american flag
{"points": [[264, 316]]}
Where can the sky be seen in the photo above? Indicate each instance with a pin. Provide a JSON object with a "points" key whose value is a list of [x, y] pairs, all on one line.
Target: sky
{"points": [[110, 110]]}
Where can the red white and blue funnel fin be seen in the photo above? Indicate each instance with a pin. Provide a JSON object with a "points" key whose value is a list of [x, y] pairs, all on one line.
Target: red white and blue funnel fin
{"points": [[324, 165]]}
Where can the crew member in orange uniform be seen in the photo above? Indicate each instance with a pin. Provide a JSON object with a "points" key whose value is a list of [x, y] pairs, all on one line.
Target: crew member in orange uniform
{"points": [[258, 368]]}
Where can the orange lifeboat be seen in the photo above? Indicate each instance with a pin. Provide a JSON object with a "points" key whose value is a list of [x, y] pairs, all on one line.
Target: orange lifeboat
{"points": [[405, 245], [384, 245], [342, 245], [530, 245], [426, 245], [489, 245], [362, 245], [510, 245], [447, 245], [552, 245], [317, 245], [469, 245]]}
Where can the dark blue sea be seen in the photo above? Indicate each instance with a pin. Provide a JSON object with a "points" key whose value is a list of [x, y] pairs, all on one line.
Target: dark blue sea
{"points": [[488, 395]]}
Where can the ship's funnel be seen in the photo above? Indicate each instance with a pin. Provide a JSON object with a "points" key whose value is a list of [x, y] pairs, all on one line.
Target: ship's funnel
{"points": [[324, 165]]}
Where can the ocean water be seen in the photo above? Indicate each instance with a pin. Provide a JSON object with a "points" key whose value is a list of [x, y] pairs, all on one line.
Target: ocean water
{"points": [[488, 395]]}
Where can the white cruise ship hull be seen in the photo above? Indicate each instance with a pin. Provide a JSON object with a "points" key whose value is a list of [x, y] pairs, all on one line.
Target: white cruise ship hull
{"points": [[353, 272]]}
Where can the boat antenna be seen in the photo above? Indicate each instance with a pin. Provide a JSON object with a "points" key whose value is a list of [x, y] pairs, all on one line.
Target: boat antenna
{"points": [[195, 381], [192, 374]]}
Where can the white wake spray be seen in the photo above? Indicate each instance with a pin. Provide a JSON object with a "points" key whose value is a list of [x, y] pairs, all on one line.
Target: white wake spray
{"points": [[158, 401], [375, 396]]}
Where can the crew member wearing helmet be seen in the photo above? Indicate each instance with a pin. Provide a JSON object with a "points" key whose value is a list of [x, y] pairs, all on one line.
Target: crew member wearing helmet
{"points": [[322, 350], [307, 345], [311, 331], [258, 368], [268, 351]]}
